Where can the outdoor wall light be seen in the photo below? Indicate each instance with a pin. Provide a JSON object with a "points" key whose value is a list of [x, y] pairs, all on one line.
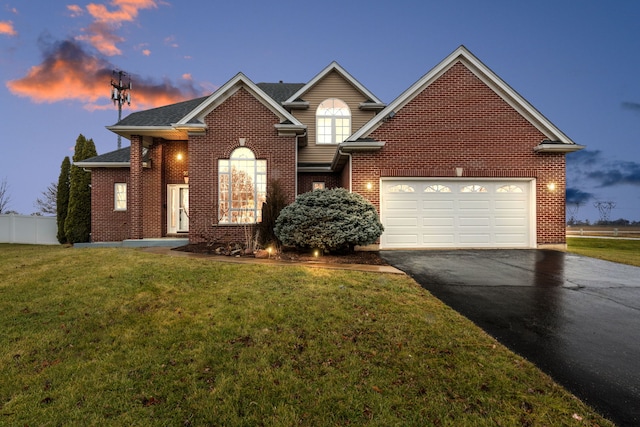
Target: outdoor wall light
{"points": [[369, 186], [179, 156], [551, 186]]}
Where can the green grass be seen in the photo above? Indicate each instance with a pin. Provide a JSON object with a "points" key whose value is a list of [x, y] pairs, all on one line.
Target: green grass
{"points": [[616, 250], [123, 337]]}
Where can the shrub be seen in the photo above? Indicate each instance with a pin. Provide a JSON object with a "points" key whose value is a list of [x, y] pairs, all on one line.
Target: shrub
{"points": [[331, 220]]}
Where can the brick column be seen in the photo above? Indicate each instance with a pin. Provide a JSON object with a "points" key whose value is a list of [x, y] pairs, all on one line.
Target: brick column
{"points": [[135, 188]]}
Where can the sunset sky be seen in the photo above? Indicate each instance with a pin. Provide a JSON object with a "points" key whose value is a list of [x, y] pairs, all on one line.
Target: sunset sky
{"points": [[577, 62]]}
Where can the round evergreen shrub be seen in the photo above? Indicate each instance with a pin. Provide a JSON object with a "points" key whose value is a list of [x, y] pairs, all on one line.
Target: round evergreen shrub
{"points": [[330, 220]]}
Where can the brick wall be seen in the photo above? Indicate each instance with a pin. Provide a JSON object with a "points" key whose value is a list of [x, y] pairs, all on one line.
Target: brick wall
{"points": [[152, 194], [306, 180], [107, 224], [459, 122], [240, 116]]}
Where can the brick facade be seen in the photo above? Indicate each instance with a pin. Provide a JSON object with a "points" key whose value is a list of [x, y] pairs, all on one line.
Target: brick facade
{"points": [[240, 116], [459, 122], [306, 180], [107, 224], [456, 121]]}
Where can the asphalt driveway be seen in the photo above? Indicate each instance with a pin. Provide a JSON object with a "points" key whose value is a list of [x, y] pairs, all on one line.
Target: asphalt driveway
{"points": [[576, 318]]}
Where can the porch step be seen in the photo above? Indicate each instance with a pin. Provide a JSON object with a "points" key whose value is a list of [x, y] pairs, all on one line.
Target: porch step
{"points": [[168, 242]]}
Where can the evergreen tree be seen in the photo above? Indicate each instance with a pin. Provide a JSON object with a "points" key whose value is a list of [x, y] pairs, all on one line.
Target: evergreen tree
{"points": [[274, 203], [62, 198], [77, 226]]}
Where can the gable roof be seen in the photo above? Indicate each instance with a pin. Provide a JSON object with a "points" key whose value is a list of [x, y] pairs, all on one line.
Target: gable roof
{"points": [[556, 137], [161, 116], [334, 66], [195, 118], [175, 121]]}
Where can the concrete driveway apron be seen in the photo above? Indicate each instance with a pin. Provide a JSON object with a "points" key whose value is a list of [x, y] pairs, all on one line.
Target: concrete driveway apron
{"points": [[576, 318]]}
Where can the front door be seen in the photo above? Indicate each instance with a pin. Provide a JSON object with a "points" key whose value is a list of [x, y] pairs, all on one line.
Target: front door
{"points": [[178, 208]]}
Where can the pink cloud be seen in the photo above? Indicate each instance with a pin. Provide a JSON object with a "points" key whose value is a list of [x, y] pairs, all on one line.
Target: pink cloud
{"points": [[102, 37], [101, 34], [6, 28], [69, 73], [124, 10], [75, 10]]}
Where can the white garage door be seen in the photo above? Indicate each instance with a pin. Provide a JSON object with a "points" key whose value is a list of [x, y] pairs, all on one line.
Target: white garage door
{"points": [[456, 213]]}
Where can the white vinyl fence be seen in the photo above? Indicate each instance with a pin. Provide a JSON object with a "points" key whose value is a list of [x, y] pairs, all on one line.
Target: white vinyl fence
{"points": [[37, 230]]}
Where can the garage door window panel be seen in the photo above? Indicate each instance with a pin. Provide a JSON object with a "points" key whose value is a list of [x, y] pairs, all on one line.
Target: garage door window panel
{"points": [[401, 188], [510, 189], [474, 188], [437, 188]]}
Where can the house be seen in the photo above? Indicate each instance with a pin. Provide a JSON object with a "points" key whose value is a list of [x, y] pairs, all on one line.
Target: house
{"points": [[458, 160]]}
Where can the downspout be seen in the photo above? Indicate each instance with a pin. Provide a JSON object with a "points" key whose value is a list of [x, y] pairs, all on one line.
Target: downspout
{"points": [[297, 147], [350, 168]]}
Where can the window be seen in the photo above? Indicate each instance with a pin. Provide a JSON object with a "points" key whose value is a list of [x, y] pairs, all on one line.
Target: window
{"points": [[318, 185], [437, 188], [120, 196], [509, 189], [473, 189], [333, 122], [242, 187], [400, 188]]}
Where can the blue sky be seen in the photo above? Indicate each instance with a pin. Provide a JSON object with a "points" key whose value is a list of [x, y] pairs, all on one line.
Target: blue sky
{"points": [[577, 62]]}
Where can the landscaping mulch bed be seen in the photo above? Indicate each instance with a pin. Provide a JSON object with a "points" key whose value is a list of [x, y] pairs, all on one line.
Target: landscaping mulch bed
{"points": [[289, 254]]}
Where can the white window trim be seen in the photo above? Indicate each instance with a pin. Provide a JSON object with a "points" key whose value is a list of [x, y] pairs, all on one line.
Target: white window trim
{"points": [[117, 202], [254, 213], [333, 122]]}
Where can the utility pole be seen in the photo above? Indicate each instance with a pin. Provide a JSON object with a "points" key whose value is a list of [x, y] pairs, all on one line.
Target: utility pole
{"points": [[120, 93], [605, 210]]}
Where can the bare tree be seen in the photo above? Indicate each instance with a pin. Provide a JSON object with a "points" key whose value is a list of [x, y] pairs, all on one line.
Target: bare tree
{"points": [[5, 197], [46, 204]]}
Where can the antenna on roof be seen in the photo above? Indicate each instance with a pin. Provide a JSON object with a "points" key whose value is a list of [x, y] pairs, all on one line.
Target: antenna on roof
{"points": [[120, 93]]}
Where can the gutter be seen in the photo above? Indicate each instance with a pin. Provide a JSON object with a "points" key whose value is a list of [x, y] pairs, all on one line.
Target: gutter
{"points": [[92, 165], [547, 146]]}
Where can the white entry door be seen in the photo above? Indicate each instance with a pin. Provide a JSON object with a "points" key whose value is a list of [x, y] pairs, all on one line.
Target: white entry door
{"points": [[178, 208], [457, 213]]}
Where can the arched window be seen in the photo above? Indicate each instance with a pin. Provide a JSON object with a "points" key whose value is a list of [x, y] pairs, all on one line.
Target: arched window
{"points": [[509, 189], [437, 188], [242, 187], [400, 188], [473, 189], [333, 121]]}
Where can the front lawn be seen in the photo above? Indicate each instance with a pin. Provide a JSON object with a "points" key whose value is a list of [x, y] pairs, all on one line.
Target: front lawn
{"points": [[123, 337], [616, 250]]}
